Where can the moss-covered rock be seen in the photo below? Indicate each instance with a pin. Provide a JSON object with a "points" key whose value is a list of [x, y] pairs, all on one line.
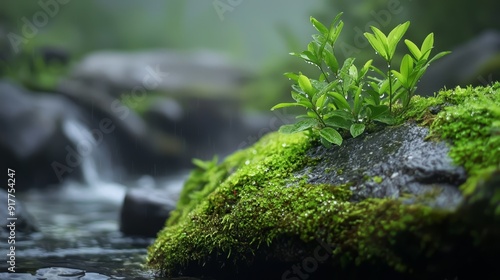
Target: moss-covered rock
{"points": [[287, 207]]}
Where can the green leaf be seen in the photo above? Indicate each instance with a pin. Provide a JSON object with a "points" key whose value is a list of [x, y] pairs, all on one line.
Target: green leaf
{"points": [[298, 126], [305, 85], [427, 45], [413, 49], [331, 61], [328, 87], [341, 113], [319, 26], [325, 143], [338, 122], [357, 129], [336, 19], [321, 101], [400, 77], [357, 101], [438, 56], [335, 34], [340, 101], [291, 76], [385, 118], [305, 103], [335, 28], [376, 44], [378, 71], [394, 37], [307, 56], [312, 48], [298, 97], [284, 105], [331, 135], [376, 111], [406, 66], [365, 69], [353, 72]]}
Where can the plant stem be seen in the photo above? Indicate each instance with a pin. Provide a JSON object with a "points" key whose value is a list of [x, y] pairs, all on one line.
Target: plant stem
{"points": [[324, 74], [390, 85]]}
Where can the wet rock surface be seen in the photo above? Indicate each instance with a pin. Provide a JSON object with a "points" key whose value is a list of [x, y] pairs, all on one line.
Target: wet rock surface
{"points": [[396, 162]]}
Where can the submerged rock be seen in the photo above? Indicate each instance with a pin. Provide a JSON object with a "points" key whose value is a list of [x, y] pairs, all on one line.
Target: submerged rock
{"points": [[406, 202]]}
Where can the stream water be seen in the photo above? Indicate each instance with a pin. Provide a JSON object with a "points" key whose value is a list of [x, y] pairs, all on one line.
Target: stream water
{"points": [[79, 229]]}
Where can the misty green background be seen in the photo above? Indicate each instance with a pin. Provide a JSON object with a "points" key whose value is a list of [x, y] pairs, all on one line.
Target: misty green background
{"points": [[257, 35]]}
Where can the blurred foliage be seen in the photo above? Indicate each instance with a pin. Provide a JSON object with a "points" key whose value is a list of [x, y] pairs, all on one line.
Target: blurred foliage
{"points": [[38, 70], [256, 34]]}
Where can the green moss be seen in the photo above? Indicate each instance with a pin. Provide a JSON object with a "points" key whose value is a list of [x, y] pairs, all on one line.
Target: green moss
{"points": [[252, 199], [469, 126], [230, 211], [378, 179]]}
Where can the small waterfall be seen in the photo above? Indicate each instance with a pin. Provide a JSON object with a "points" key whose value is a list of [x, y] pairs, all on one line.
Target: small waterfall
{"points": [[95, 165]]}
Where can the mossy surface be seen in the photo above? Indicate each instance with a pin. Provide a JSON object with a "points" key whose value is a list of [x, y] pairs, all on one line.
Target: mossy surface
{"points": [[232, 211], [469, 119]]}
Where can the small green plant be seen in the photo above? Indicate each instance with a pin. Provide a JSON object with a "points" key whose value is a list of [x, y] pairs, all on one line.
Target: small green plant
{"points": [[347, 98]]}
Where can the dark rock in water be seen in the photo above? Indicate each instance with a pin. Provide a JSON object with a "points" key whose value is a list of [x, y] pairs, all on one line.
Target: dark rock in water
{"points": [[401, 163], [144, 211], [24, 224], [476, 62], [33, 136]]}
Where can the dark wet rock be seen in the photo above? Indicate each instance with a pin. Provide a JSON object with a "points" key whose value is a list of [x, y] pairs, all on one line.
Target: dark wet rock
{"points": [[33, 134], [400, 161], [25, 223], [475, 62], [144, 211]]}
